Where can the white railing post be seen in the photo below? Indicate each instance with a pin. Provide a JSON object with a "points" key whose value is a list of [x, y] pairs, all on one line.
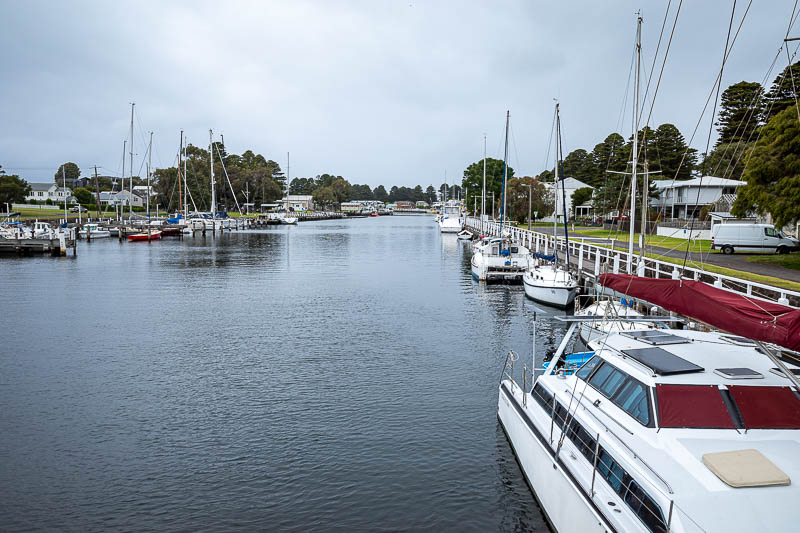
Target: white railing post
{"points": [[596, 262], [580, 257], [616, 264]]}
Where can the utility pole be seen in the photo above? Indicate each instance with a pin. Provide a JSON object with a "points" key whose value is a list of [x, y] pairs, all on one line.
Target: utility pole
{"points": [[64, 179], [530, 197]]}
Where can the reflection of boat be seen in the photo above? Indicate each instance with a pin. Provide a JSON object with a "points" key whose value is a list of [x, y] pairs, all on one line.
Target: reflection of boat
{"points": [[152, 236], [93, 231], [465, 235]]}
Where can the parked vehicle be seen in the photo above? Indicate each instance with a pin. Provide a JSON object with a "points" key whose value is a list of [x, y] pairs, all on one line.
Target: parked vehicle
{"points": [[751, 238], [77, 209]]}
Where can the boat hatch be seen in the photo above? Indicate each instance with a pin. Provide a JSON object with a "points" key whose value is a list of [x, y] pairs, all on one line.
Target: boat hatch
{"points": [[779, 372], [661, 361], [655, 337], [738, 341], [745, 468], [738, 373]]}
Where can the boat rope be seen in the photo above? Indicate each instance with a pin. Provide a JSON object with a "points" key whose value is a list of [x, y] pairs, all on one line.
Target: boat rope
{"points": [[728, 48]]}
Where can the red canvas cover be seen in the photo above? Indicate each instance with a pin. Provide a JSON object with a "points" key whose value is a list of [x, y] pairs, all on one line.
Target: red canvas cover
{"points": [[767, 407], [728, 311], [692, 406]]}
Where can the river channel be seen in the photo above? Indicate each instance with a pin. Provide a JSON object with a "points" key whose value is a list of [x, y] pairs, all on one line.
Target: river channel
{"points": [[332, 376]]}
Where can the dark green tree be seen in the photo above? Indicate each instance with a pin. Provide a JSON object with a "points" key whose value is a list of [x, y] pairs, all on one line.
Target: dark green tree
{"points": [[13, 189], [667, 151], [84, 196], [581, 195], [773, 172], [361, 192], [782, 95], [517, 202], [473, 177], [579, 164], [380, 194], [727, 160], [68, 170], [741, 110], [430, 194], [324, 197]]}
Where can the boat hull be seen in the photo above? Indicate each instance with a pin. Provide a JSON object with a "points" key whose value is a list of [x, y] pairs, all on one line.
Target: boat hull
{"points": [[550, 295], [144, 236], [564, 503]]}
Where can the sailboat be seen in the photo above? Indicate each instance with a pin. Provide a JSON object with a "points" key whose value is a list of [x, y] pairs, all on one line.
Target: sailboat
{"points": [[287, 218], [498, 258], [547, 281]]}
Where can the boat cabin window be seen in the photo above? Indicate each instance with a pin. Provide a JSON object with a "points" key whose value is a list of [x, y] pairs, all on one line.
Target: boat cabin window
{"points": [[514, 250], [644, 507], [627, 393], [587, 368], [634, 496]]}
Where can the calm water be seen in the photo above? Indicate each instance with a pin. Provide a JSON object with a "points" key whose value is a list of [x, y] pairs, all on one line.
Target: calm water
{"points": [[333, 376]]}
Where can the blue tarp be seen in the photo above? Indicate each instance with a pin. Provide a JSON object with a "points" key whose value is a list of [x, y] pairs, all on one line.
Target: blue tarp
{"points": [[545, 257]]}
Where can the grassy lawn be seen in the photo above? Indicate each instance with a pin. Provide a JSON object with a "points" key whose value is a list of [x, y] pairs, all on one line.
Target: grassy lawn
{"points": [[787, 261], [652, 240]]}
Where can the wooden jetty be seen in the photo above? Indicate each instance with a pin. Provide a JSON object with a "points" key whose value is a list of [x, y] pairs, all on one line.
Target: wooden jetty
{"points": [[30, 247]]}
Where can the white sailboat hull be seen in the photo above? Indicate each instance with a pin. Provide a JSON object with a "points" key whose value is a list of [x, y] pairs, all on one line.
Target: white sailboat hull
{"points": [[450, 225], [550, 285], [549, 294], [562, 500]]}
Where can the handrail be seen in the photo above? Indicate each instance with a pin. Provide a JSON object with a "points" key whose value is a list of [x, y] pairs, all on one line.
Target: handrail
{"points": [[585, 250]]}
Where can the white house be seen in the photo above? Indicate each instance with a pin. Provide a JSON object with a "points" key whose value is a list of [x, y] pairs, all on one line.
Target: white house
{"points": [[123, 198], [298, 202], [570, 186], [41, 192], [685, 199], [142, 190]]}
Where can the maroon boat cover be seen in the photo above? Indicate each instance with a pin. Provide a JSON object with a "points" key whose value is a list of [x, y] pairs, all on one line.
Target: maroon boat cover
{"points": [[728, 311]]}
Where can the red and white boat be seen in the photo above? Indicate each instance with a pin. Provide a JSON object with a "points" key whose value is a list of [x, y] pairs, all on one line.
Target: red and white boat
{"points": [[153, 235]]}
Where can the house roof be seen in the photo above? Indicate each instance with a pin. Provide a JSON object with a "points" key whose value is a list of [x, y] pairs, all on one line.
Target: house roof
{"points": [[705, 181], [41, 186], [570, 183]]}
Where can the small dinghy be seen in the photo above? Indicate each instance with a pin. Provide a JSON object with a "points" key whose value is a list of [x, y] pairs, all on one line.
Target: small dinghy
{"points": [[465, 235], [144, 236]]}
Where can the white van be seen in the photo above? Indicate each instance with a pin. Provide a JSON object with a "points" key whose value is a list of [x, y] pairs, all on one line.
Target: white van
{"points": [[751, 238]]}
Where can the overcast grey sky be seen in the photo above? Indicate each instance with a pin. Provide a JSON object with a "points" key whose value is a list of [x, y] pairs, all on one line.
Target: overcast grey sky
{"points": [[380, 92]]}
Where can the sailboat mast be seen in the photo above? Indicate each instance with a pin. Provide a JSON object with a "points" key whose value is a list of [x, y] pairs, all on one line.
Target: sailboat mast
{"points": [[185, 186], [180, 188], [483, 197], [555, 198], [122, 185], [130, 181], [149, 167], [505, 178], [288, 178], [211, 166], [635, 141]]}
